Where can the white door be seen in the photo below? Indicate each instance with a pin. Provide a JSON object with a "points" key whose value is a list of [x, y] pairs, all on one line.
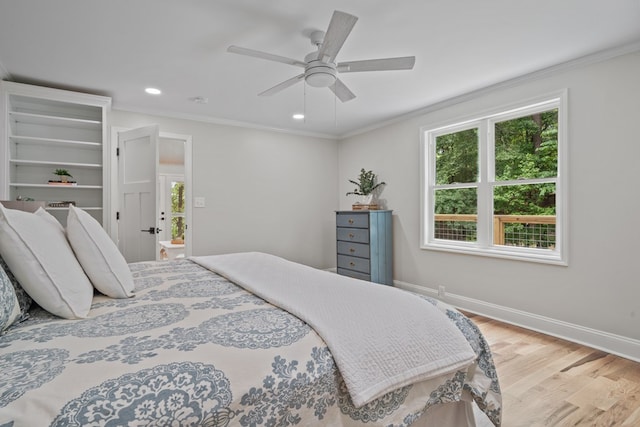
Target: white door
{"points": [[172, 206], [138, 196]]}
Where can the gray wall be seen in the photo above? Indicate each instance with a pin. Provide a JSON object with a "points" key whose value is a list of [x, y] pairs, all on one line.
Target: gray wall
{"points": [[265, 191], [276, 192], [596, 298]]}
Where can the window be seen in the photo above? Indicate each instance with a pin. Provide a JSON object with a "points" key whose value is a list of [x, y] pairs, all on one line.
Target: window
{"points": [[495, 185]]}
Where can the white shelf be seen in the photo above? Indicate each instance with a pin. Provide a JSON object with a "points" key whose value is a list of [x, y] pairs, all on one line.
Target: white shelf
{"points": [[73, 187], [48, 120], [48, 163], [43, 141], [84, 208]]}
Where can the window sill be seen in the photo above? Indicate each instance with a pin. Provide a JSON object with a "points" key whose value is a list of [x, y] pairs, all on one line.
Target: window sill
{"points": [[516, 254]]}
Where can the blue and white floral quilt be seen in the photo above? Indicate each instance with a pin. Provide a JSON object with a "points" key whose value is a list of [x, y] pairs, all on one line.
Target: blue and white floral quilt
{"points": [[193, 349]]}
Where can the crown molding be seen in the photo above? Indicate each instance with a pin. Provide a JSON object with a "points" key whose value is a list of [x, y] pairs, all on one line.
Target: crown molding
{"points": [[582, 61], [218, 121]]}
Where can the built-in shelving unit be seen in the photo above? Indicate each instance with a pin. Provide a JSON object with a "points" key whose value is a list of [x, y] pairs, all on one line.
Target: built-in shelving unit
{"points": [[45, 129]]}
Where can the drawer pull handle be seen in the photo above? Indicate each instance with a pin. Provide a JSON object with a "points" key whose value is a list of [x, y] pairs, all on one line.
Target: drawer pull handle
{"points": [[350, 221], [352, 250], [352, 264], [351, 235]]}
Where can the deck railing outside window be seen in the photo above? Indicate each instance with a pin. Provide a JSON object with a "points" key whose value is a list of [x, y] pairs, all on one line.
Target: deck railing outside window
{"points": [[531, 231]]}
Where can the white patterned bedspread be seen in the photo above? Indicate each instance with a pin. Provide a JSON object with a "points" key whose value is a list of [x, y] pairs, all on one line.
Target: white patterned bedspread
{"points": [[193, 349]]}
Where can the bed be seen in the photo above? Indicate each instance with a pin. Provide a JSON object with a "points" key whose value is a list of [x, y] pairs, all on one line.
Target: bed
{"points": [[193, 348]]}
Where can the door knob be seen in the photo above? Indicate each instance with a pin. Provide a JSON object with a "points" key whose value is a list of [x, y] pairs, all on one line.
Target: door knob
{"points": [[152, 230]]}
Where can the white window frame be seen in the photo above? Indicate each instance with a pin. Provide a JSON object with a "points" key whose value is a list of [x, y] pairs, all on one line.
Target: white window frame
{"points": [[486, 182]]}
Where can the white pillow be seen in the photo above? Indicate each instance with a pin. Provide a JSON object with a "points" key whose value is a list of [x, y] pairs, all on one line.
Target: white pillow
{"points": [[98, 255], [41, 259], [50, 219]]}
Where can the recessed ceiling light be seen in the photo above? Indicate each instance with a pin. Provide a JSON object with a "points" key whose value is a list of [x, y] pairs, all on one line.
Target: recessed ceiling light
{"points": [[153, 91], [298, 116]]}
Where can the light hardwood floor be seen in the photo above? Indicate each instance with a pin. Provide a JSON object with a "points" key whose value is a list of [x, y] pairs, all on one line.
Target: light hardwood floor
{"points": [[546, 381]]}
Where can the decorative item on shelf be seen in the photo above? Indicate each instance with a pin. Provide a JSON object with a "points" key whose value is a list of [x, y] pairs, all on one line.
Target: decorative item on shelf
{"points": [[363, 207], [367, 189], [63, 184], [62, 204], [64, 178]]}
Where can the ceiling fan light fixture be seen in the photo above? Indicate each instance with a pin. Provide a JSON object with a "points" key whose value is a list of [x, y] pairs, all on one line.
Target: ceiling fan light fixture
{"points": [[320, 74], [320, 80]]}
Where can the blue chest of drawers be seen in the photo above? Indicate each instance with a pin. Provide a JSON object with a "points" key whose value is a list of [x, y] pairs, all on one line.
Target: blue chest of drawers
{"points": [[365, 245]]}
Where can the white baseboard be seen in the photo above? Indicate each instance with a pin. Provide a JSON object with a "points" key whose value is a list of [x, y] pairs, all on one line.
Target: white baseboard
{"points": [[628, 348]]}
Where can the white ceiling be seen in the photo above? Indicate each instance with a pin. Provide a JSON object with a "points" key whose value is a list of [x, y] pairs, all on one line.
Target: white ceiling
{"points": [[119, 47]]}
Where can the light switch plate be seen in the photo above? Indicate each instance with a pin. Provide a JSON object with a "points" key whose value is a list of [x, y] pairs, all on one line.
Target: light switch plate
{"points": [[198, 202]]}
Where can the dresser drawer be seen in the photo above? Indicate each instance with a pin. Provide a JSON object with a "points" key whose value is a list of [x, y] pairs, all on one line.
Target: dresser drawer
{"points": [[358, 235], [352, 220], [354, 274], [354, 249], [353, 263]]}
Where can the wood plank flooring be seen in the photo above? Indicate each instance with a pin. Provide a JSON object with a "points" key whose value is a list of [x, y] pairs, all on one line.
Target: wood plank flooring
{"points": [[546, 381]]}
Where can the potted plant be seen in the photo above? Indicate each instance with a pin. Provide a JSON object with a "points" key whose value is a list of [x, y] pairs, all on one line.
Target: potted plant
{"points": [[63, 174], [365, 186]]}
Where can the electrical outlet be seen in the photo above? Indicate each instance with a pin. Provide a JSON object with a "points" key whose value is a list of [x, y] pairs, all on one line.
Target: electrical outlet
{"points": [[441, 291]]}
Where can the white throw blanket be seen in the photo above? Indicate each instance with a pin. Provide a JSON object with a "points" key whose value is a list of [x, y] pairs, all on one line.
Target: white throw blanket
{"points": [[381, 338]]}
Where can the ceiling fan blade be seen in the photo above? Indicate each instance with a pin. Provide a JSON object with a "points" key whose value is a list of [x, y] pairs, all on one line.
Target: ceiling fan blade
{"points": [[263, 55], [342, 91], [285, 84], [385, 64], [339, 29]]}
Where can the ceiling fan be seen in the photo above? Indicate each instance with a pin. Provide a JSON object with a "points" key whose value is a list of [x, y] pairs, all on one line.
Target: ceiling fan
{"points": [[320, 68]]}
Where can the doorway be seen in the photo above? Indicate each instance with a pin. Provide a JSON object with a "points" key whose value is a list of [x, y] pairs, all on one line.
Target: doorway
{"points": [[173, 179]]}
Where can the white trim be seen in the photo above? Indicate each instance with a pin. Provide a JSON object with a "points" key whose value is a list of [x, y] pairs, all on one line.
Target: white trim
{"points": [[4, 145], [619, 345], [219, 121], [42, 92], [188, 177]]}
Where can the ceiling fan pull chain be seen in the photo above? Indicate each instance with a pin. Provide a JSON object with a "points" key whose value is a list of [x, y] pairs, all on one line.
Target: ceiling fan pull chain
{"points": [[335, 110]]}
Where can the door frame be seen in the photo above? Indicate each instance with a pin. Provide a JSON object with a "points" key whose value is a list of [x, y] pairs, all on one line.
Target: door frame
{"points": [[111, 224]]}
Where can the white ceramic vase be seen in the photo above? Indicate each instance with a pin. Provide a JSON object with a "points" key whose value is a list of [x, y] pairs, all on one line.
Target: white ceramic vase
{"points": [[365, 200]]}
